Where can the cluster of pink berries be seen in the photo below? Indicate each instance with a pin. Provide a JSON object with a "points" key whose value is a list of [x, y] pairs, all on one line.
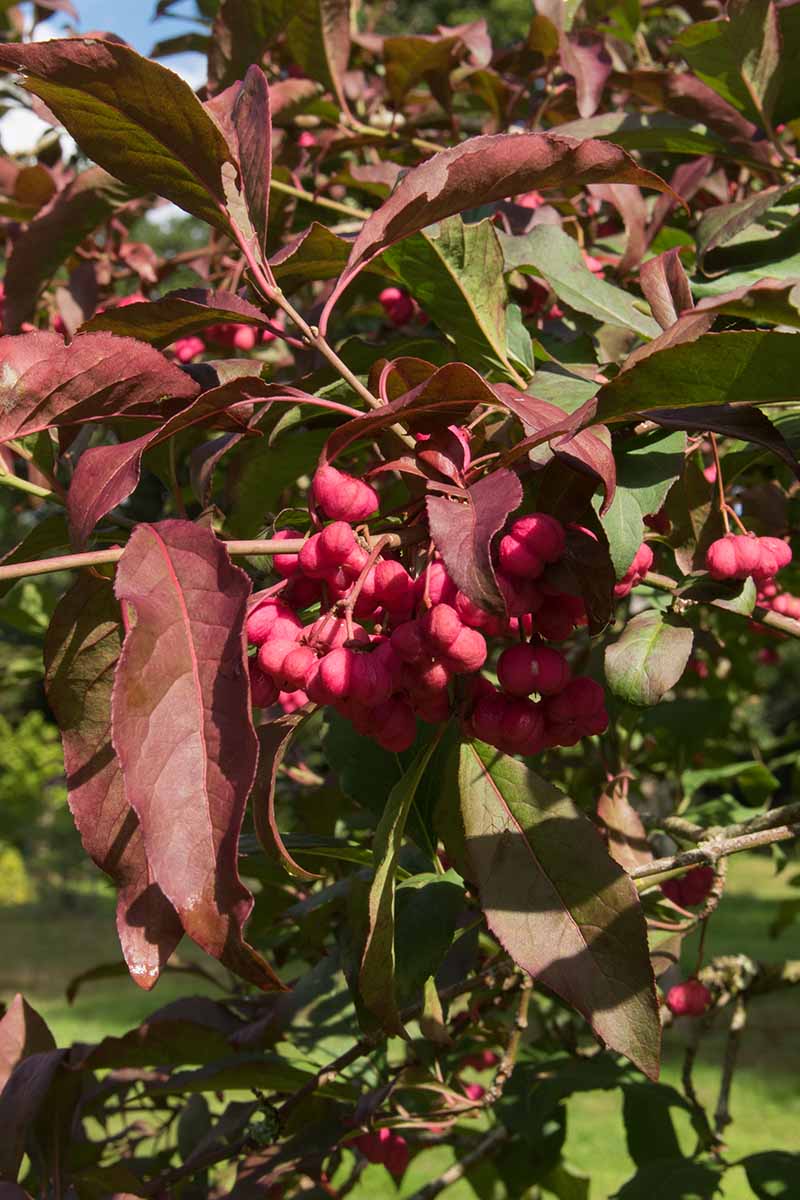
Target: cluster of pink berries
{"points": [[740, 555], [232, 335], [425, 634], [386, 1147]]}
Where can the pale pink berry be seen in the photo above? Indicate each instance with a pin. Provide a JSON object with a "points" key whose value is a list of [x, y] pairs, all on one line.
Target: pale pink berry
{"points": [[467, 653], [271, 656], [343, 497], [519, 560], [286, 565], [291, 701], [269, 614], [244, 337], [187, 349], [523, 669], [306, 139], [440, 587], [781, 550], [474, 1092], [748, 554], [642, 562], [332, 680], [690, 999], [721, 558], [394, 589], [440, 627], [295, 668], [337, 544], [371, 681], [408, 642], [426, 679]]}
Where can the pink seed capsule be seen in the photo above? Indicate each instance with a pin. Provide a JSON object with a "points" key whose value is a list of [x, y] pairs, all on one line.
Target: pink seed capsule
{"points": [[440, 589], [426, 679], [342, 497], [440, 627], [554, 621], [286, 565], [262, 689], [262, 617], [329, 631], [295, 668], [302, 592], [467, 653], [519, 560], [408, 642], [291, 701], [433, 709], [748, 555], [521, 595], [542, 534], [337, 542], [722, 558], [524, 669], [779, 549], [271, 655], [523, 729], [370, 682], [690, 999], [488, 718], [394, 589], [333, 679]]}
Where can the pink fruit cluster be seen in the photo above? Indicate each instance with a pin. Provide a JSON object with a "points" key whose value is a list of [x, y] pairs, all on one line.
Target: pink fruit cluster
{"points": [[642, 562], [769, 596], [689, 889], [236, 336], [386, 1147], [389, 648], [739, 555], [399, 307], [690, 999]]}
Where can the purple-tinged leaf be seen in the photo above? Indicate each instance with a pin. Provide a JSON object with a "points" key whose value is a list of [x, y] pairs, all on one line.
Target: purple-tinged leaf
{"points": [[747, 424], [314, 254], [51, 238], [192, 1030], [106, 475], [81, 649], [769, 301], [754, 367], [176, 315], [463, 533], [666, 287], [688, 328], [564, 911], [587, 60], [137, 119], [648, 658], [629, 203], [183, 730], [252, 121], [46, 384], [412, 59], [22, 1101], [586, 570], [686, 180], [22, 1033], [46, 536], [478, 171], [627, 839], [273, 742], [589, 450]]}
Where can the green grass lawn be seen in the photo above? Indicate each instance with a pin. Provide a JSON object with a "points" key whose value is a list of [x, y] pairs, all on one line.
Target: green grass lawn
{"points": [[41, 953]]}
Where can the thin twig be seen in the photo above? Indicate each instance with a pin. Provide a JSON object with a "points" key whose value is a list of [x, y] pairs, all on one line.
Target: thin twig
{"points": [[722, 1116], [509, 1060], [710, 851], [486, 1146], [762, 616]]}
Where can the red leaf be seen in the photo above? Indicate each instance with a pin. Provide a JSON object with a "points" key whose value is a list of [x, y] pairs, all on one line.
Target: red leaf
{"points": [[273, 742], [627, 839], [629, 203], [106, 475], [21, 1103], [178, 314], [478, 171], [666, 287], [81, 648], [589, 63], [253, 124], [463, 534], [183, 730], [46, 384], [22, 1033]]}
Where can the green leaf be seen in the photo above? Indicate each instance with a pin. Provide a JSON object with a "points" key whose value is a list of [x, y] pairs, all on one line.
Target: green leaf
{"points": [[648, 659], [427, 909], [649, 1130], [536, 1090], [377, 983], [137, 119], [624, 528], [648, 468], [773, 1175], [666, 132], [554, 255], [758, 367], [723, 222], [456, 274], [738, 56], [680, 1180], [47, 535], [561, 907], [316, 253]]}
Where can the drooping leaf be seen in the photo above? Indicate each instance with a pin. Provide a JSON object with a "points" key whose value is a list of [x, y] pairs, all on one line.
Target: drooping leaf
{"points": [[734, 421], [50, 239], [46, 384], [624, 529], [106, 475], [649, 1131], [183, 731], [22, 1033], [463, 533], [586, 59], [456, 274], [666, 287], [562, 908], [648, 659], [555, 256], [81, 650], [377, 973], [476, 172], [252, 121], [662, 132], [22, 1102], [676, 1180], [721, 223], [427, 910], [137, 119], [273, 740], [176, 315], [758, 367], [648, 467], [412, 59]]}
